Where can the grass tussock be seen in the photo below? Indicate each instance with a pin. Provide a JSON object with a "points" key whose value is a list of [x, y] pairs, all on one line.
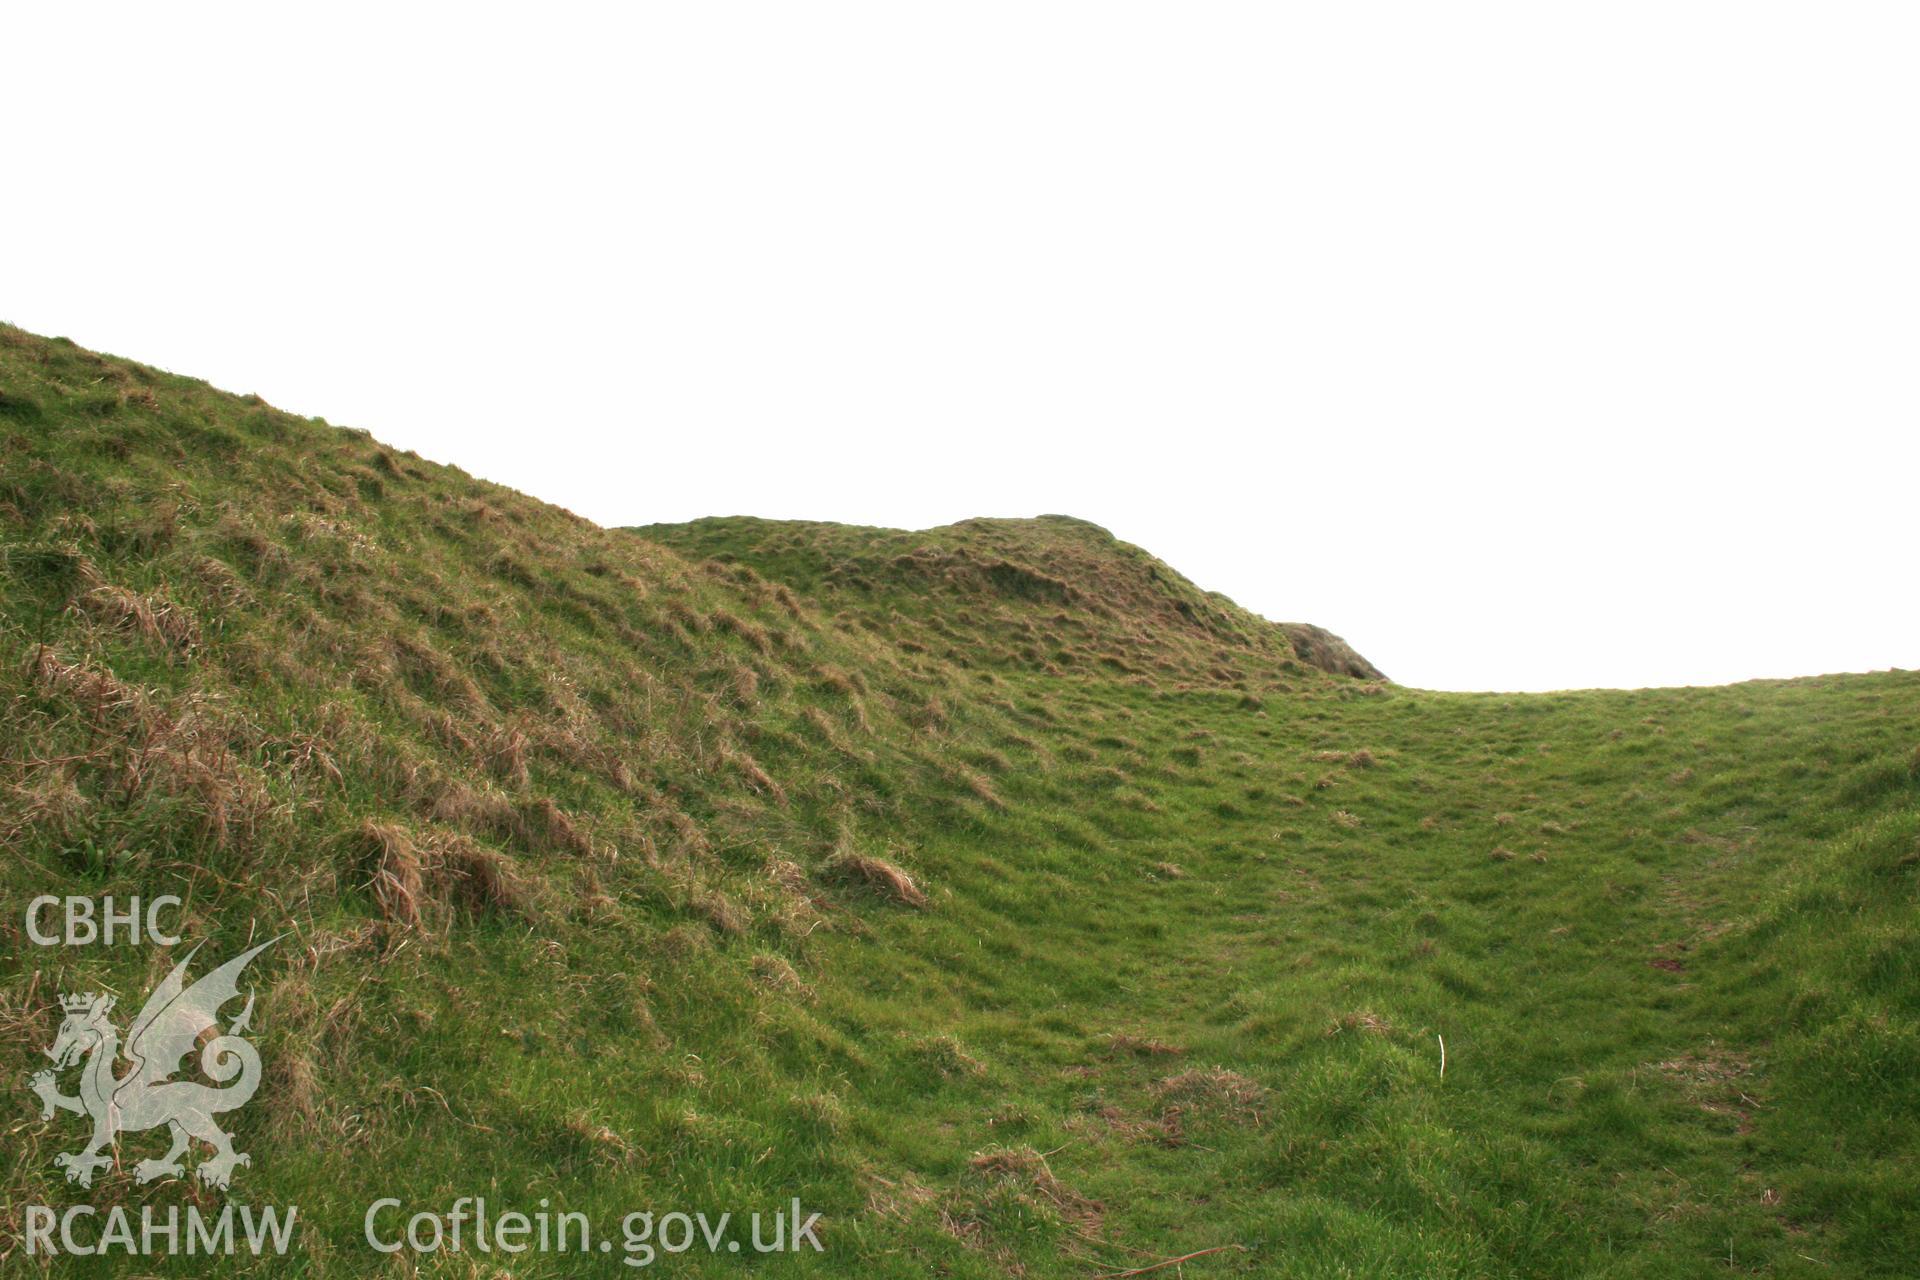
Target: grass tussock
{"points": [[412, 880], [946, 1057], [1361, 759], [1211, 1090], [776, 974], [1027, 1171], [156, 619], [1361, 1020], [884, 878], [1122, 1044]]}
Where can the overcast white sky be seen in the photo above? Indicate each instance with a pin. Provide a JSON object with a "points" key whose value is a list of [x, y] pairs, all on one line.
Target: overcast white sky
{"points": [[1525, 345]]}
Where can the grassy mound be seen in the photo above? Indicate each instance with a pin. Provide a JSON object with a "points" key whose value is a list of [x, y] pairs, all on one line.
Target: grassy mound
{"points": [[991, 889], [1056, 595]]}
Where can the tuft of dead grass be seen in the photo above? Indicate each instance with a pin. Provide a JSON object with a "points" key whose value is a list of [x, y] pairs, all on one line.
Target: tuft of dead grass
{"points": [[1360, 759], [887, 1198], [546, 824], [1121, 1043], [1717, 1082], [409, 877], [721, 911], [980, 787], [1210, 1089], [890, 881], [156, 619], [295, 1085], [756, 777], [775, 974], [946, 1056], [1027, 1172], [504, 752], [601, 1142], [1363, 1020], [485, 879], [49, 801], [398, 880]]}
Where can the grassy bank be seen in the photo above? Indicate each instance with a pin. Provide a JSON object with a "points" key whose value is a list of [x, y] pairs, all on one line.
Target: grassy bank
{"points": [[992, 890]]}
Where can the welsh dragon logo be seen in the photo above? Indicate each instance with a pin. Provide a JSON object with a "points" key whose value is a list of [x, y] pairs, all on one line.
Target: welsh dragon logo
{"points": [[173, 1021]]}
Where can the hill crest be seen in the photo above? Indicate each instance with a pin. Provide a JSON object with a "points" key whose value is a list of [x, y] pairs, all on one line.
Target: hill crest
{"points": [[1052, 593]]}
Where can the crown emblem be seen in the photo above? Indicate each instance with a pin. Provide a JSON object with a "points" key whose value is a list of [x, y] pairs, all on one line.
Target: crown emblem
{"points": [[78, 1002]]}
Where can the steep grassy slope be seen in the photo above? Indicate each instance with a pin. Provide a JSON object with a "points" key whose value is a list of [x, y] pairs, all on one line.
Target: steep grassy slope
{"points": [[594, 851], [495, 769]]}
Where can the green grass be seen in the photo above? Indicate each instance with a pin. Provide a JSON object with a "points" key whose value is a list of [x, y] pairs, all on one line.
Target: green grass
{"points": [[1199, 913]]}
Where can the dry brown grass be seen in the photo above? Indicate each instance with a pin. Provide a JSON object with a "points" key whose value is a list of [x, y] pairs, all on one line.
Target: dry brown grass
{"points": [[755, 635], [789, 875], [485, 879], [1717, 1082], [293, 1084], [743, 682], [888, 1198], [1027, 1173], [479, 811], [1364, 1020], [148, 747], [1210, 1089], [980, 787], [398, 873], [160, 621], [743, 763], [544, 824], [850, 867], [503, 750], [930, 716], [600, 1142], [1361, 759], [775, 974], [48, 800], [409, 876], [947, 1057], [721, 911], [1121, 1043]]}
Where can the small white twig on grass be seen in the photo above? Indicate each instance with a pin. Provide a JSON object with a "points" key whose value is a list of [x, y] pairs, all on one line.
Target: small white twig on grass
{"points": [[1170, 1262], [1443, 1054]]}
